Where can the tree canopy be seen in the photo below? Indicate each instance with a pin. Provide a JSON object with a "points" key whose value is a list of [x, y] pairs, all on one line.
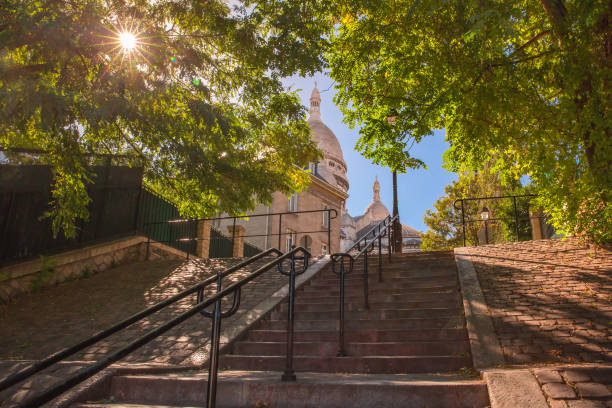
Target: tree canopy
{"points": [[197, 101], [527, 82]]}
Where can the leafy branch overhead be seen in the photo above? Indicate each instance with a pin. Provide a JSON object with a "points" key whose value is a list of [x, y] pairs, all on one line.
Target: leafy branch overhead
{"points": [[197, 101], [528, 83]]}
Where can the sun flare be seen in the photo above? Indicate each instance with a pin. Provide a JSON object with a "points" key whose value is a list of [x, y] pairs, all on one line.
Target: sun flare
{"points": [[128, 41]]}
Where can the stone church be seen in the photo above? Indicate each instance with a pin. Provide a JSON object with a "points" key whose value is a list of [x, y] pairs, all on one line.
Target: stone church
{"points": [[328, 189]]}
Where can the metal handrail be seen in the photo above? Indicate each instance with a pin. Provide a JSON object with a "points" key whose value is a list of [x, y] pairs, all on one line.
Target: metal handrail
{"points": [[384, 227], [234, 289]]}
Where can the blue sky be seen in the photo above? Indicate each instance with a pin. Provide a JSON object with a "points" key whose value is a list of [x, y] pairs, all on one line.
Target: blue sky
{"points": [[417, 189]]}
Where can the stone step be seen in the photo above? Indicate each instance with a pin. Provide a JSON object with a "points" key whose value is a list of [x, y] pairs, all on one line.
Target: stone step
{"points": [[357, 278], [373, 283], [238, 389], [349, 364], [356, 306], [372, 314], [389, 324], [330, 349], [380, 290], [358, 296], [315, 298], [362, 335], [389, 273]]}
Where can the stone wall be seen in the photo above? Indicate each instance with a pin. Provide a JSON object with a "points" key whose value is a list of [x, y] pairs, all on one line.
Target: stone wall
{"points": [[48, 271]]}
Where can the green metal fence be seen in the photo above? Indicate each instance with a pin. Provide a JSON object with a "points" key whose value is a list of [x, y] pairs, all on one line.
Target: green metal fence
{"points": [[155, 216], [250, 250], [220, 245]]}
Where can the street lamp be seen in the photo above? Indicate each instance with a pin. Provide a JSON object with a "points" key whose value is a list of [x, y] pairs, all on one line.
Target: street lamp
{"points": [[397, 227], [484, 214]]}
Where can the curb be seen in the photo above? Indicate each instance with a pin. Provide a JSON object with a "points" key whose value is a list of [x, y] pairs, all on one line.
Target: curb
{"points": [[486, 350]]}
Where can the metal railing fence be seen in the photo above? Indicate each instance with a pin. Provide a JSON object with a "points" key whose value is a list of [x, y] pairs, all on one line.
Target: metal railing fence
{"points": [[511, 216], [222, 245]]}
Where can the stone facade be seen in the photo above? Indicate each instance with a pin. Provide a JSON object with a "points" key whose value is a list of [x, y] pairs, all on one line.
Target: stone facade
{"points": [[328, 189]]}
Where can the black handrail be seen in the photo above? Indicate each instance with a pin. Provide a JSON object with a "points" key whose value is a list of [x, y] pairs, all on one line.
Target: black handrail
{"points": [[384, 227], [91, 370]]}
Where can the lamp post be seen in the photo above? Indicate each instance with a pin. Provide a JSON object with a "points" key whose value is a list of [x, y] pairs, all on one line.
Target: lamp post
{"points": [[397, 227], [484, 214]]}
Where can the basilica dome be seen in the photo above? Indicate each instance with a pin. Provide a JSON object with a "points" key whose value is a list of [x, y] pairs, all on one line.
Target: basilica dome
{"points": [[332, 167]]}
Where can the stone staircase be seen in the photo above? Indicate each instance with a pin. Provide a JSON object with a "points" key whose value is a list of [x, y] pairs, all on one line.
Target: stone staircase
{"points": [[410, 349]]}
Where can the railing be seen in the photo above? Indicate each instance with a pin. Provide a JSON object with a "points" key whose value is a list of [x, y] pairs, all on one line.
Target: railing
{"points": [[484, 216], [190, 236], [376, 233], [296, 254]]}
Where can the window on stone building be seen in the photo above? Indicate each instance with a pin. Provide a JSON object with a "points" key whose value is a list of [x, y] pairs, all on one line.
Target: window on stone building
{"points": [[293, 202], [290, 239], [324, 248], [325, 216]]}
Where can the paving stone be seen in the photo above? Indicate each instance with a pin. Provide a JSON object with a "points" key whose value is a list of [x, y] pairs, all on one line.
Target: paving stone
{"points": [[559, 391], [550, 294], [576, 376], [557, 404], [546, 376], [593, 390], [585, 404]]}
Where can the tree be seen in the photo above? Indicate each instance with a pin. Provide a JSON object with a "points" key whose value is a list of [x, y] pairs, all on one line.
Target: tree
{"points": [[528, 82], [190, 90]]}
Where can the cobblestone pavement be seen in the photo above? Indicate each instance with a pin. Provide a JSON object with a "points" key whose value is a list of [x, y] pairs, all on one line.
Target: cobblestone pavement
{"points": [[550, 300], [576, 387], [36, 325]]}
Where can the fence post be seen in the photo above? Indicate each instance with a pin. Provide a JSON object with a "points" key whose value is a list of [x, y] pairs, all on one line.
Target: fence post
{"points": [[516, 228], [237, 240], [203, 236], [280, 224]]}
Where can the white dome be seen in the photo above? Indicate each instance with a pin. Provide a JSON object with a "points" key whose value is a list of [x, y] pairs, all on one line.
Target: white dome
{"points": [[332, 167], [325, 138]]}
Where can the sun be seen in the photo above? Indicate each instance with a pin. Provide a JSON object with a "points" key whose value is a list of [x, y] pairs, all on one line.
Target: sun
{"points": [[128, 41]]}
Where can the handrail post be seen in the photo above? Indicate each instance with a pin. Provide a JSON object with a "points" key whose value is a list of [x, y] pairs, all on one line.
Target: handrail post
{"points": [[389, 240], [380, 278], [289, 374], [365, 279], [213, 367], [341, 351]]}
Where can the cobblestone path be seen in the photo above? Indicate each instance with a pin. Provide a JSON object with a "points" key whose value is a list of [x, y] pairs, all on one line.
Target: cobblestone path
{"points": [[551, 300], [41, 323]]}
